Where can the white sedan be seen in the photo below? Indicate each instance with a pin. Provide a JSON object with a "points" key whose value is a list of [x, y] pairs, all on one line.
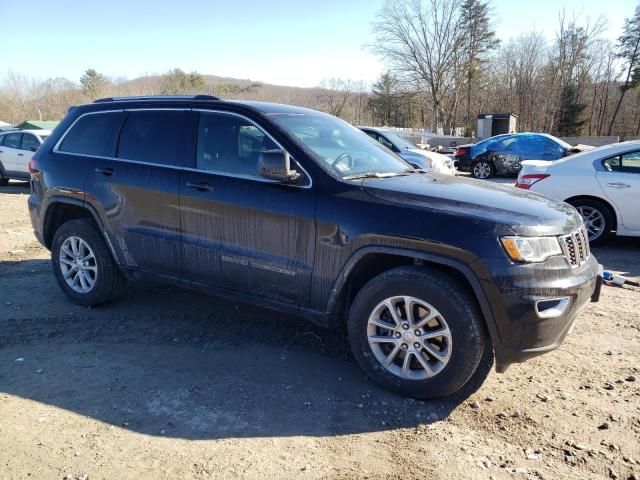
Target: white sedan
{"points": [[16, 149], [602, 184]]}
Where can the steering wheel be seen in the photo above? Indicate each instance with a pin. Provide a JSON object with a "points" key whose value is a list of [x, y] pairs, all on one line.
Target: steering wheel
{"points": [[341, 158]]}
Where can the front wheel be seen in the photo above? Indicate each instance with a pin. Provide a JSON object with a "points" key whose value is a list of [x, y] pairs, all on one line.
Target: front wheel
{"points": [[418, 332], [482, 170], [83, 265]]}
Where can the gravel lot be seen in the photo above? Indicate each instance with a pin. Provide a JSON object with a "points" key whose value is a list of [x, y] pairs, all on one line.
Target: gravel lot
{"points": [[167, 383]]}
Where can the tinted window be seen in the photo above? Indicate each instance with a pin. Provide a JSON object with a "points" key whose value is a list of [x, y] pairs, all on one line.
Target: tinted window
{"points": [[154, 136], [230, 144], [12, 140], [2, 137], [93, 134], [29, 142]]}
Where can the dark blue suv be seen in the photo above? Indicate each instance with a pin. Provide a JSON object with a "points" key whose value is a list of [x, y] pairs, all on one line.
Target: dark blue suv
{"points": [[298, 211]]}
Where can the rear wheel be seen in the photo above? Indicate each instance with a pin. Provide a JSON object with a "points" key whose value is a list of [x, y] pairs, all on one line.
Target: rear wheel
{"points": [[419, 333], [4, 181], [597, 218], [83, 265], [482, 169]]}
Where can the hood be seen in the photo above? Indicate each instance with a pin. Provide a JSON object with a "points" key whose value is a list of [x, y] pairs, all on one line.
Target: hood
{"points": [[519, 211]]}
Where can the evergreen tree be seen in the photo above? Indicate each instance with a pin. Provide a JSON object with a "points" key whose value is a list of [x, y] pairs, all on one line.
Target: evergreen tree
{"points": [[93, 83], [629, 52], [176, 82], [479, 39], [569, 123], [385, 101]]}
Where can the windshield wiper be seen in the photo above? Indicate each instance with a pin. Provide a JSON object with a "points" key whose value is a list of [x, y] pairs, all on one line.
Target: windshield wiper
{"points": [[373, 175]]}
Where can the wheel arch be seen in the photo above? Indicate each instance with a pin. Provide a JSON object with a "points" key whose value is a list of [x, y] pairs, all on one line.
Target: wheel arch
{"points": [[62, 209], [369, 262], [606, 203]]}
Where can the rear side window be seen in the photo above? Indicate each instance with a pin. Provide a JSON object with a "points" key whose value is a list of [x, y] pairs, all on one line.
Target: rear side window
{"points": [[154, 136], [627, 163], [12, 140], [2, 137], [93, 134]]}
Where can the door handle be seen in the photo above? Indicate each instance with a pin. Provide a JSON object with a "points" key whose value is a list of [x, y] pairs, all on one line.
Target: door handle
{"points": [[21, 154], [108, 171], [619, 185], [200, 186]]}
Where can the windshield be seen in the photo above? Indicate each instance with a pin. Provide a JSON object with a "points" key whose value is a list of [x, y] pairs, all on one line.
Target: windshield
{"points": [[341, 146], [398, 141]]}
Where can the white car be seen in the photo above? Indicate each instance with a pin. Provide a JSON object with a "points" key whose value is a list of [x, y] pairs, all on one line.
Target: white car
{"points": [[424, 159], [16, 149], [602, 184]]}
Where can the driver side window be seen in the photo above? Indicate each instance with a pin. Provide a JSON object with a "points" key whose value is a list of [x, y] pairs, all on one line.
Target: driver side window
{"points": [[230, 144]]}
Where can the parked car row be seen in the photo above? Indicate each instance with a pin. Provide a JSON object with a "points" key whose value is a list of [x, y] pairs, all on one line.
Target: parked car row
{"points": [[16, 149]]}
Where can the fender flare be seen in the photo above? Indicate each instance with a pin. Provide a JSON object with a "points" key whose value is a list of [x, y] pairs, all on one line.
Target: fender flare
{"points": [[82, 204], [464, 269]]}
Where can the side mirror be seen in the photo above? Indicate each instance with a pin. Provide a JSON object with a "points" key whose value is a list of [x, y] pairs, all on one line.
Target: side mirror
{"points": [[34, 149], [276, 165]]}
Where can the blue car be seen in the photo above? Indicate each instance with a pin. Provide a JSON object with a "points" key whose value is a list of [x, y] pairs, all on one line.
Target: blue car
{"points": [[503, 154]]}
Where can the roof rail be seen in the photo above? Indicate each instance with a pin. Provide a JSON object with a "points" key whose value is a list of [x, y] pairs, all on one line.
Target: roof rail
{"points": [[157, 97]]}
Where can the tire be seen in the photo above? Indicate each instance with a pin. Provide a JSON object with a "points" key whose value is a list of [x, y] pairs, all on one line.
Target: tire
{"points": [[482, 169], [4, 181], [108, 281], [468, 346], [602, 223]]}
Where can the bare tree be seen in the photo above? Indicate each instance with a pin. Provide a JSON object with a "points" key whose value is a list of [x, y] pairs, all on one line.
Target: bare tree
{"points": [[421, 41], [335, 93]]}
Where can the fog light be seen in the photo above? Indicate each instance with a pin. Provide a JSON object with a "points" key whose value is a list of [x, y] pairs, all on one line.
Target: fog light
{"points": [[552, 307]]}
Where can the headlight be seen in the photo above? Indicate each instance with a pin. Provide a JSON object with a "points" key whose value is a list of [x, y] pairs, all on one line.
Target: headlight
{"points": [[531, 249]]}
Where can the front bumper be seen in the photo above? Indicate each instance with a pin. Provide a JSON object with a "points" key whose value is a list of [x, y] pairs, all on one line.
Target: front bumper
{"points": [[539, 304]]}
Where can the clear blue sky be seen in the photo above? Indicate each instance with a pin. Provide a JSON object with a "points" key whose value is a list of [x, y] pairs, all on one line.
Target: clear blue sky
{"points": [[290, 42]]}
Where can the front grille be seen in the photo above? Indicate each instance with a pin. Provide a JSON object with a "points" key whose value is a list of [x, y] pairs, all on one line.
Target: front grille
{"points": [[575, 247]]}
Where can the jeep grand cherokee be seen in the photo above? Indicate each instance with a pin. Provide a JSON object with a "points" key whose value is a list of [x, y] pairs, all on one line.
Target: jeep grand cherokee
{"points": [[296, 210]]}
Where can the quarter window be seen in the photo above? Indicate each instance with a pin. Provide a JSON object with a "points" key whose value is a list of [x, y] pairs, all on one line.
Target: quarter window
{"points": [[154, 136], [93, 134], [230, 144]]}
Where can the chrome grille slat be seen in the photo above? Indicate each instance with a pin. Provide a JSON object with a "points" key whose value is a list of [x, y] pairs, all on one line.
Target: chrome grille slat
{"points": [[575, 247]]}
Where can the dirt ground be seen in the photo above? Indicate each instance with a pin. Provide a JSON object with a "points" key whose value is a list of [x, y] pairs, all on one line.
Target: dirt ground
{"points": [[167, 383]]}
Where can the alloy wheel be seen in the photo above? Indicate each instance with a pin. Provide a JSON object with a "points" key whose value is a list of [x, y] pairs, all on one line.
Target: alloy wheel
{"points": [[78, 265], [594, 221], [482, 170], [409, 337]]}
